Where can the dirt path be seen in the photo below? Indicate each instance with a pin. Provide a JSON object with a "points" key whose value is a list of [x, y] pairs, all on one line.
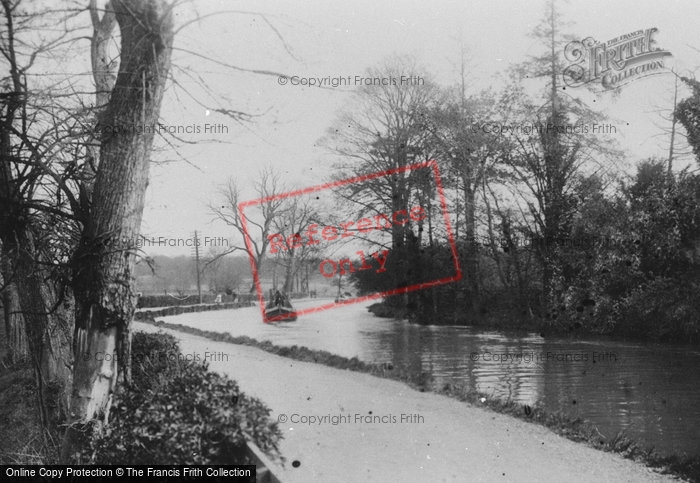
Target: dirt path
{"points": [[440, 440]]}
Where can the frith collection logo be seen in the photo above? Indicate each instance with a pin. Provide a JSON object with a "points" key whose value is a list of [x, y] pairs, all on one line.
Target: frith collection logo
{"points": [[616, 62]]}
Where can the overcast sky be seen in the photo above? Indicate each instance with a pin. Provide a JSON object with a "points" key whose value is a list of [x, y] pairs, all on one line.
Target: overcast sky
{"points": [[340, 39]]}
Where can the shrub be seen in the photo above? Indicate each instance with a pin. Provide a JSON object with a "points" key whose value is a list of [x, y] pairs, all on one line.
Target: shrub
{"points": [[177, 412], [154, 360], [662, 310]]}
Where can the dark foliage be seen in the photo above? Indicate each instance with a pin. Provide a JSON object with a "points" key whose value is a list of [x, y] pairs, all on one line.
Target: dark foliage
{"points": [[629, 265], [688, 113], [177, 412]]}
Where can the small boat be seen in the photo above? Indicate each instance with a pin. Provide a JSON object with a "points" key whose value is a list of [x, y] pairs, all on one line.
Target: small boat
{"points": [[279, 308]]}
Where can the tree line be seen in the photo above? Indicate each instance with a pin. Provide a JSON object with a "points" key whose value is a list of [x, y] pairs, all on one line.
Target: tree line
{"points": [[551, 230]]}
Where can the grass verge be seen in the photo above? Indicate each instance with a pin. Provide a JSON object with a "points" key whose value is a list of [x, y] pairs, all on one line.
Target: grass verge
{"points": [[578, 430]]}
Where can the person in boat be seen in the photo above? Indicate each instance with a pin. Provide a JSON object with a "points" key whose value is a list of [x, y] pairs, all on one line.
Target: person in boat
{"points": [[280, 307]]}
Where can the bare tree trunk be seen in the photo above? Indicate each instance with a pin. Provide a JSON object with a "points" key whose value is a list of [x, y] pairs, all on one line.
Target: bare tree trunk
{"points": [[289, 275], [17, 343], [33, 294], [399, 248], [48, 327], [472, 263], [103, 73], [674, 121], [103, 272]]}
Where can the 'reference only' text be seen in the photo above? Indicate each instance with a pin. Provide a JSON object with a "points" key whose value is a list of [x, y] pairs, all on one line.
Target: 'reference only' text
{"points": [[328, 268], [344, 230]]}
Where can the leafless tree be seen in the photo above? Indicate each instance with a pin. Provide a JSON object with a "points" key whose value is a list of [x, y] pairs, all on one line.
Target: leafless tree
{"points": [[35, 197], [103, 277], [672, 131], [254, 222], [296, 216], [383, 129]]}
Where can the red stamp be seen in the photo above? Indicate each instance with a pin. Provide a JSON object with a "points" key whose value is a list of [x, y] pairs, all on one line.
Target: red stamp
{"points": [[387, 243]]}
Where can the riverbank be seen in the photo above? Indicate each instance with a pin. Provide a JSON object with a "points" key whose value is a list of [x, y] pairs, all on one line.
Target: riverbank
{"points": [[486, 445], [504, 318]]}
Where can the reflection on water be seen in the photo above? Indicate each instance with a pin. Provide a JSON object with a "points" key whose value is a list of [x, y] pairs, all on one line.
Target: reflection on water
{"points": [[651, 390]]}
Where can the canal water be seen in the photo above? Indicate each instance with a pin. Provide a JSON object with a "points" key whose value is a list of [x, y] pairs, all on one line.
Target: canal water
{"points": [[649, 390]]}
